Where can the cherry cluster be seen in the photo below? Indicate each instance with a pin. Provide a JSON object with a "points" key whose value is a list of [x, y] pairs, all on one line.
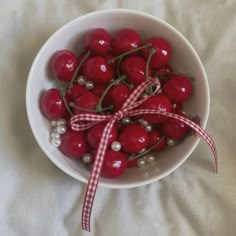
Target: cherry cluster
{"points": [[98, 81]]}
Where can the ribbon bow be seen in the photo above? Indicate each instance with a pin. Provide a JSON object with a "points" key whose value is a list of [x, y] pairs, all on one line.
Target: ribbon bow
{"points": [[127, 109]]}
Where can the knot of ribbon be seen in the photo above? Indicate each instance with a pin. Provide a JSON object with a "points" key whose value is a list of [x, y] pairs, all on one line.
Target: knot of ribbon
{"points": [[85, 121]]}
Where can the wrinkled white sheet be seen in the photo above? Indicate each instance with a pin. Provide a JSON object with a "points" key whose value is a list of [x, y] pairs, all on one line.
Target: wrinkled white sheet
{"points": [[38, 199]]}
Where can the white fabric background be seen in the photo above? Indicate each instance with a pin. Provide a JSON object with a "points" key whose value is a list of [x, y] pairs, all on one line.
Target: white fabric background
{"points": [[38, 199]]}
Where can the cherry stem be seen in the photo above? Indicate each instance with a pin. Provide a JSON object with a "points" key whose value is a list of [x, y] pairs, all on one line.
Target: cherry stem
{"points": [[118, 66], [99, 105], [147, 151], [63, 93], [129, 52], [152, 51], [130, 86], [71, 104], [78, 68]]}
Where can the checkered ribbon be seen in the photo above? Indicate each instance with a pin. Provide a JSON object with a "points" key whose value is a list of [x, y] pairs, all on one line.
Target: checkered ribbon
{"points": [[86, 120]]}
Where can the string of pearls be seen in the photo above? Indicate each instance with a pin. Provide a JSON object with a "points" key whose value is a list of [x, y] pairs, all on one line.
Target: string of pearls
{"points": [[59, 128], [82, 81], [145, 124]]}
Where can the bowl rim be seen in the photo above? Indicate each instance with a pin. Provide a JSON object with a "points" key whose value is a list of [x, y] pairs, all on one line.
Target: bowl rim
{"points": [[110, 185]]}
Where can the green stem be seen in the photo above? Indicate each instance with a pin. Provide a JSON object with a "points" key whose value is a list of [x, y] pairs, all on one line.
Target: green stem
{"points": [[118, 67], [89, 110], [152, 51], [99, 105], [78, 68], [63, 93], [147, 151], [130, 86], [129, 52]]}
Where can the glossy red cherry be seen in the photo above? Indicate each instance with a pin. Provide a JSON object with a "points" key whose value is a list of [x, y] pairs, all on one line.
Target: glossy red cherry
{"points": [[52, 105], [119, 93], [97, 70], [73, 144], [134, 67], [98, 41], [162, 54], [125, 40], [154, 137], [178, 88], [156, 102], [167, 69], [88, 100], [64, 64], [133, 138], [114, 164], [174, 128], [76, 91], [176, 107], [94, 135]]}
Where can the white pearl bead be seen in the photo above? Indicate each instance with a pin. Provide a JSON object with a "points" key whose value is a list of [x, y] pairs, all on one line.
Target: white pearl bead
{"points": [[61, 129], [61, 122], [170, 142], [87, 158], [141, 162], [142, 121], [89, 85], [148, 128], [126, 120], [116, 146], [55, 134], [53, 123], [151, 158], [81, 80], [56, 142]]}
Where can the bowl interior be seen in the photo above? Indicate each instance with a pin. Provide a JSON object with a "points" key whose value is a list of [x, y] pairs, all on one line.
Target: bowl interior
{"points": [[184, 59]]}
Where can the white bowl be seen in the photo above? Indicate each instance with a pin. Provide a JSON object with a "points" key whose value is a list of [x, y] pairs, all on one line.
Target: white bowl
{"points": [[184, 59]]}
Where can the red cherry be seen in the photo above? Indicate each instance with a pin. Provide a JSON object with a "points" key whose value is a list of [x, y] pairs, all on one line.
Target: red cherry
{"points": [[157, 102], [176, 107], [178, 88], [114, 164], [98, 41], [52, 105], [97, 70], [133, 138], [64, 64], [134, 67], [73, 144], [174, 128], [76, 91], [94, 135], [88, 100], [119, 94], [167, 69], [155, 136], [125, 40], [162, 54]]}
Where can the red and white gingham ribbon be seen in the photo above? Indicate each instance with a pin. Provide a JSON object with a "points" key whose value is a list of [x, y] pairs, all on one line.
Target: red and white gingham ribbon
{"points": [[86, 120]]}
